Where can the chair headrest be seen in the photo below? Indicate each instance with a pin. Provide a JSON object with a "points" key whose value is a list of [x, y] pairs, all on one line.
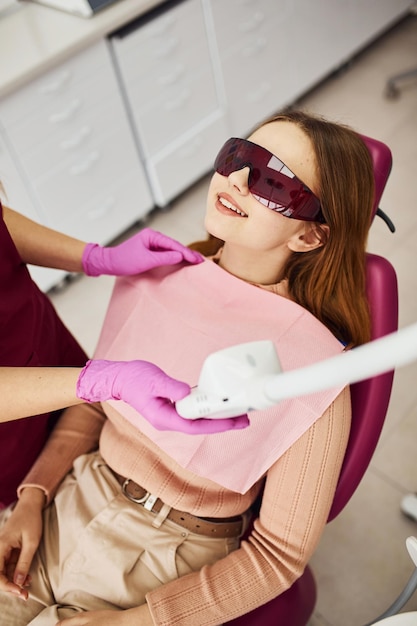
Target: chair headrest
{"points": [[382, 160]]}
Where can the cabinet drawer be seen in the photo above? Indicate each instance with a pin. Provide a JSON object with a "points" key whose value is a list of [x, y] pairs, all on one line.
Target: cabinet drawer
{"points": [[54, 89], [143, 87], [172, 35], [72, 142], [187, 161], [237, 20], [110, 211], [60, 118], [76, 181], [167, 119]]}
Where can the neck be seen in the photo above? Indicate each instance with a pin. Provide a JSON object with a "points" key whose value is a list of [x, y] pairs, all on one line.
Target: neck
{"points": [[253, 266]]}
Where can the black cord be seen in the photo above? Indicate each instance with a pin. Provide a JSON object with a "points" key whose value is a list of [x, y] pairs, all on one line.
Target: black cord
{"points": [[386, 219]]}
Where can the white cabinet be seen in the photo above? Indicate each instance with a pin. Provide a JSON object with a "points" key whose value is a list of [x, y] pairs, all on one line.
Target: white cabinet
{"points": [[167, 76], [272, 51], [326, 33], [133, 120], [74, 148], [255, 58]]}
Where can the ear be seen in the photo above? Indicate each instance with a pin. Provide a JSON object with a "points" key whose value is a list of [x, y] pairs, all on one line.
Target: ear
{"points": [[309, 238]]}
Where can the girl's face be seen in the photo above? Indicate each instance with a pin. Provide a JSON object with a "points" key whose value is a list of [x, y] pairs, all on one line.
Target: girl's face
{"points": [[240, 220]]}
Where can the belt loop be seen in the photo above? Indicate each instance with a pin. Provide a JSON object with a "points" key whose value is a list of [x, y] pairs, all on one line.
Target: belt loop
{"points": [[247, 518], [161, 517]]}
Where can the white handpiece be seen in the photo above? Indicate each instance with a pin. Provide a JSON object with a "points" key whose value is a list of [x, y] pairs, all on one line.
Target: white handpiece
{"points": [[231, 380], [411, 543], [236, 393]]}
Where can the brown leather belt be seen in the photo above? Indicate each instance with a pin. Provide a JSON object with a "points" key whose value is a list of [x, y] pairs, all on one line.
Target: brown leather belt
{"points": [[209, 527]]}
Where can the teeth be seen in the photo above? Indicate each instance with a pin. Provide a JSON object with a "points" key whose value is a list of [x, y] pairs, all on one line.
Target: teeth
{"points": [[232, 207]]}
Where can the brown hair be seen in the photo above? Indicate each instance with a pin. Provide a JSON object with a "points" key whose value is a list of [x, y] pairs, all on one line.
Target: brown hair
{"points": [[330, 280]]}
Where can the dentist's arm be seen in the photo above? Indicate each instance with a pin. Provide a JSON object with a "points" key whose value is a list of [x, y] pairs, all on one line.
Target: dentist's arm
{"points": [[39, 245], [26, 391]]}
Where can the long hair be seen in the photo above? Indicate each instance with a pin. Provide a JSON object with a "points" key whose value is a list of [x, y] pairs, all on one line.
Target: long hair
{"points": [[330, 281]]}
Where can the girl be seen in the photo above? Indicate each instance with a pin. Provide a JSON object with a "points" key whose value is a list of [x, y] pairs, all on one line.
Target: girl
{"points": [[148, 529]]}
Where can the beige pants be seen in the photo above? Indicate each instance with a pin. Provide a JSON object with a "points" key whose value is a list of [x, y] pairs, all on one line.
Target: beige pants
{"points": [[101, 551]]}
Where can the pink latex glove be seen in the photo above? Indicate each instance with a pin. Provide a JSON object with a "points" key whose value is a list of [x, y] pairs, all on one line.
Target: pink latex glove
{"points": [[151, 392], [142, 252]]}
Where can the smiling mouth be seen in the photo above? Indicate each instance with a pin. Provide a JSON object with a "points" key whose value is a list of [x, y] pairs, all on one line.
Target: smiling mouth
{"points": [[231, 207]]}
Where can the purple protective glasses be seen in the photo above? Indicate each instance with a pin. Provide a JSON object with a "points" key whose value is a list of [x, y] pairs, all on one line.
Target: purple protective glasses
{"points": [[270, 181]]}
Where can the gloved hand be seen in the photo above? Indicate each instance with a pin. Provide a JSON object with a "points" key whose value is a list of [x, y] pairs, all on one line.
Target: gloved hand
{"points": [[143, 251], [150, 391]]}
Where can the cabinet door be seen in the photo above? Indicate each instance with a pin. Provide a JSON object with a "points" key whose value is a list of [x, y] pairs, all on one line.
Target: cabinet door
{"points": [[272, 51], [170, 86], [167, 74], [326, 34], [255, 58]]}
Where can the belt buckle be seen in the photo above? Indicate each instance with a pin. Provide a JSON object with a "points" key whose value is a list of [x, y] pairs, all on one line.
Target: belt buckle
{"points": [[141, 500], [148, 500]]}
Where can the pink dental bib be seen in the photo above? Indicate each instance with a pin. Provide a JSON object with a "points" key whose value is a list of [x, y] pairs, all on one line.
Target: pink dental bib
{"points": [[175, 318]]}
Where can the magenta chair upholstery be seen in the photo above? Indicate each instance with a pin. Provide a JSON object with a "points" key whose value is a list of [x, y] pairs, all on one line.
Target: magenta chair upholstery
{"points": [[370, 399]]}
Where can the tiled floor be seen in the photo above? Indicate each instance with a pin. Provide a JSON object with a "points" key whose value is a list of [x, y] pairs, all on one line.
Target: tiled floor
{"points": [[362, 562]]}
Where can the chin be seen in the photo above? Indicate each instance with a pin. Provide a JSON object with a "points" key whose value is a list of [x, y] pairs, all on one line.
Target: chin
{"points": [[212, 227]]}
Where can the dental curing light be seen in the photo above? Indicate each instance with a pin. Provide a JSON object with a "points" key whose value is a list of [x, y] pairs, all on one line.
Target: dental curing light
{"points": [[248, 376]]}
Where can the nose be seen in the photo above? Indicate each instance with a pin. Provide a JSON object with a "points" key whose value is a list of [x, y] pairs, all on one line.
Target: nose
{"points": [[239, 180]]}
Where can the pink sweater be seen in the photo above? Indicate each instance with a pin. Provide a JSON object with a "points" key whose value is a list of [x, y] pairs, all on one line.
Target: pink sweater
{"points": [[298, 493]]}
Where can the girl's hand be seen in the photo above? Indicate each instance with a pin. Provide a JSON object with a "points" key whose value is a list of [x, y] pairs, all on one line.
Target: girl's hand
{"points": [[138, 616], [19, 540]]}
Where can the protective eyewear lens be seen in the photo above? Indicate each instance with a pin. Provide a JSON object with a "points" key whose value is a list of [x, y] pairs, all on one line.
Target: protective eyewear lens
{"points": [[270, 181]]}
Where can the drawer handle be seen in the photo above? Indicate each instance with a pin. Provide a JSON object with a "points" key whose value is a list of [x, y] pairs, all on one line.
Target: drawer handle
{"points": [[260, 92], [167, 48], [255, 48], [102, 210], [74, 142], [173, 105], [252, 24], [172, 77], [55, 85], [81, 168], [161, 26], [68, 113]]}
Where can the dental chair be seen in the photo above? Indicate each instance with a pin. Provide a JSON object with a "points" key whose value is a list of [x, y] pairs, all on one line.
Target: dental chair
{"points": [[370, 399]]}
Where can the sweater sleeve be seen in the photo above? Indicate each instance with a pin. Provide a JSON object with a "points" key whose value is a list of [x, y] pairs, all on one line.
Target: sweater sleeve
{"points": [[298, 494], [76, 432]]}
